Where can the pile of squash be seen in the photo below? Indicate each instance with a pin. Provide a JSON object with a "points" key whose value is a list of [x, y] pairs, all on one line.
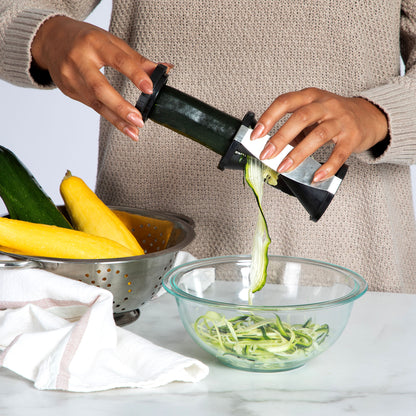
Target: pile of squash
{"points": [[36, 227]]}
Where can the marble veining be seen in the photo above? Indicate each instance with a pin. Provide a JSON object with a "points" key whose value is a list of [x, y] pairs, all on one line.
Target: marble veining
{"points": [[370, 370]]}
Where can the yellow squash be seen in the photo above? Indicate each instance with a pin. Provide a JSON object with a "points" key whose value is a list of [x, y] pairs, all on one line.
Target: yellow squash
{"points": [[42, 240], [89, 214]]}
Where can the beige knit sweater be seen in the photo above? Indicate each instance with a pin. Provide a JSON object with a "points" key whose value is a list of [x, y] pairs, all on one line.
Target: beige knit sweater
{"points": [[239, 55]]}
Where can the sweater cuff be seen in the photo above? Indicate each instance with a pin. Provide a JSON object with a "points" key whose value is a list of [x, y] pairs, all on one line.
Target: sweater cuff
{"points": [[399, 104], [18, 42]]}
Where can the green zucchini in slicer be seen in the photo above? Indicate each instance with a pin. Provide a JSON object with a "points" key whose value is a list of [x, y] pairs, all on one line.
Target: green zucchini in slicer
{"points": [[23, 196]]}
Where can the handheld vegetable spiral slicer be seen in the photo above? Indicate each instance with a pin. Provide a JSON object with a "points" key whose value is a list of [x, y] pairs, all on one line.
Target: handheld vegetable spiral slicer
{"points": [[230, 138]]}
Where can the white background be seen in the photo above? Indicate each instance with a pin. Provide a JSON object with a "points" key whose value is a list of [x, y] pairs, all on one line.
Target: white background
{"points": [[51, 133]]}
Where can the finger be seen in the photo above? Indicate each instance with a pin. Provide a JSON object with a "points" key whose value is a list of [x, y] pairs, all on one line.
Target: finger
{"points": [[319, 136], [339, 156], [135, 67], [89, 86], [80, 90], [292, 128], [102, 94], [282, 105], [147, 65], [130, 131], [169, 66], [117, 54]]}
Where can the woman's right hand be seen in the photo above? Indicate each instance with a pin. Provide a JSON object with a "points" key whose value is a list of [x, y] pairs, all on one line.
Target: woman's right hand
{"points": [[73, 53]]}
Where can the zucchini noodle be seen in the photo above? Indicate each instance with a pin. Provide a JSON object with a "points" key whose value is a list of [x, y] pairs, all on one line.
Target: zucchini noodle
{"points": [[257, 338], [255, 174]]}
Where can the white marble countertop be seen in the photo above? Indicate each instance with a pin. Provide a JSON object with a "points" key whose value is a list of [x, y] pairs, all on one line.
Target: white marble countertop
{"points": [[370, 370]]}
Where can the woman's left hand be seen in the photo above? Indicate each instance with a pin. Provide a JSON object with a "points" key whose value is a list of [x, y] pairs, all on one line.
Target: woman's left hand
{"points": [[318, 117]]}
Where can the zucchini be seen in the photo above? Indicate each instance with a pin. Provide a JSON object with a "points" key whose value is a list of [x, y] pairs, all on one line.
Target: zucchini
{"points": [[23, 196], [194, 119], [255, 174]]}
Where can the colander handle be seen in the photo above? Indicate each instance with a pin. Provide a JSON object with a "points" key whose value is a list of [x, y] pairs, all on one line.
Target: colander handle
{"points": [[19, 264]]}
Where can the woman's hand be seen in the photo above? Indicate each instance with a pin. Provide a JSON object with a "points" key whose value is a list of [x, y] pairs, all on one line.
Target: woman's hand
{"points": [[74, 52], [318, 117]]}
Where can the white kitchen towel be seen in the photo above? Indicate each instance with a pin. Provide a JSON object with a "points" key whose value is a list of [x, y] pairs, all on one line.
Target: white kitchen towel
{"points": [[60, 334]]}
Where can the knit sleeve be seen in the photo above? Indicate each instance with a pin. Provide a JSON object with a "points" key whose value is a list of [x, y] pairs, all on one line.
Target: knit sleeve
{"points": [[397, 99], [19, 22]]}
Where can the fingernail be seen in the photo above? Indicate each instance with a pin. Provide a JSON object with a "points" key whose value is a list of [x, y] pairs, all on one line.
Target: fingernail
{"points": [[285, 165], [135, 119], [257, 131], [146, 86], [131, 132], [268, 151], [168, 66], [320, 176]]}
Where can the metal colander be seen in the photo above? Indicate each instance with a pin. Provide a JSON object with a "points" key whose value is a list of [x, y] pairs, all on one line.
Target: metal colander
{"points": [[133, 281]]}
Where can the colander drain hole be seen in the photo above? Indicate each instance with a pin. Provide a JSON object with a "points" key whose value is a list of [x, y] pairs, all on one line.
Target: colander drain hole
{"points": [[119, 304]]}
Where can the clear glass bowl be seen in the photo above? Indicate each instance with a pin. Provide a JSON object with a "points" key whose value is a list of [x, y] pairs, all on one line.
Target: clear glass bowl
{"points": [[301, 311]]}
